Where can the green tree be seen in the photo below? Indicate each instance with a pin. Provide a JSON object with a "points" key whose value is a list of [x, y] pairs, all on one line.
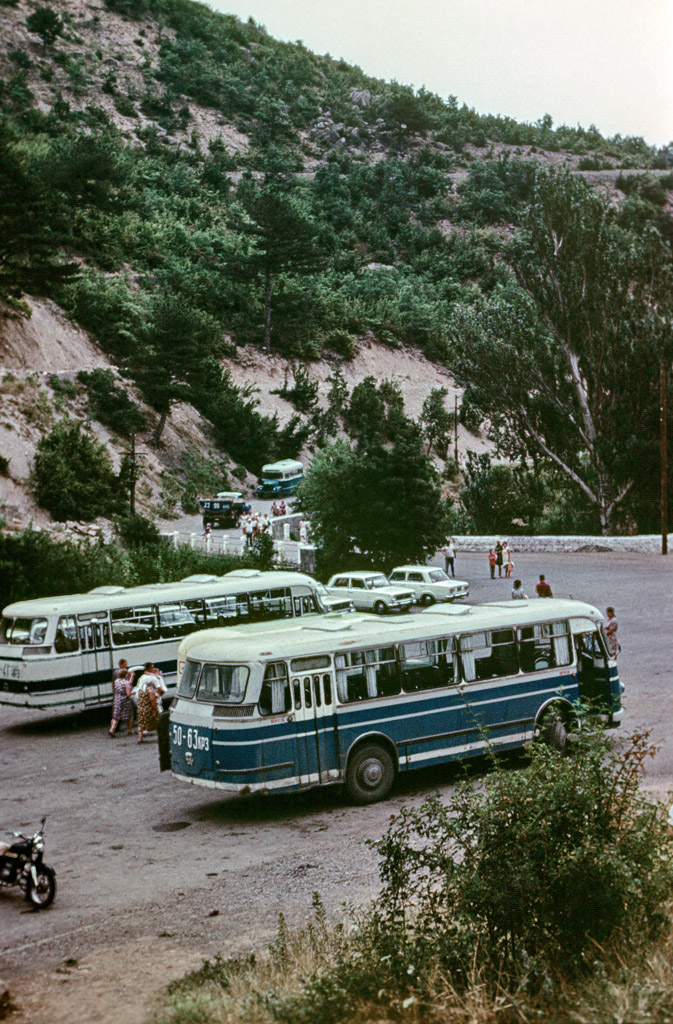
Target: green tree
{"points": [[283, 235], [437, 422], [177, 360], [565, 365], [73, 476], [374, 507], [45, 23], [30, 235]]}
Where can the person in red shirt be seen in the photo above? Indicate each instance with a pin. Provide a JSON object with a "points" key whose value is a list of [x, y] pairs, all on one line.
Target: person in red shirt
{"points": [[542, 588]]}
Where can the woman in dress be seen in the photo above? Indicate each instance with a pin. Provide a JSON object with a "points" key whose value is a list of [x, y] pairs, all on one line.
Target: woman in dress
{"points": [[149, 686], [122, 709]]}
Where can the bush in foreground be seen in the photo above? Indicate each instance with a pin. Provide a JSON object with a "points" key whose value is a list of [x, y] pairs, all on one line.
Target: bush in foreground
{"points": [[518, 899]]}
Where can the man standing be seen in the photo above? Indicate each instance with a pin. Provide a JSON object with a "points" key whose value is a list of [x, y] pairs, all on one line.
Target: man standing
{"points": [[498, 557], [542, 588], [449, 552]]}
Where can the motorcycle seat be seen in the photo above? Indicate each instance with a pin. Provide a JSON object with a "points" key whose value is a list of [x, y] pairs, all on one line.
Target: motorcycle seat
{"points": [[3, 848]]}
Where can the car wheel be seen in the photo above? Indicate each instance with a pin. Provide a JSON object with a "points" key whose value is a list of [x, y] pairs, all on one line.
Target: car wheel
{"points": [[370, 774], [380, 608], [427, 599]]}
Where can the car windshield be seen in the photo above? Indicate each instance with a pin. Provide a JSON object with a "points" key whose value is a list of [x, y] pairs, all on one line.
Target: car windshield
{"points": [[376, 581], [23, 631], [438, 576]]}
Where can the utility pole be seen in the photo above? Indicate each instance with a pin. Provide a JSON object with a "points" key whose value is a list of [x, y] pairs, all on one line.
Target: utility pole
{"points": [[664, 462], [455, 429], [132, 481]]}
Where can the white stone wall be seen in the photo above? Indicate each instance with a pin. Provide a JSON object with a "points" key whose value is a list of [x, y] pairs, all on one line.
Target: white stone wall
{"points": [[644, 543]]}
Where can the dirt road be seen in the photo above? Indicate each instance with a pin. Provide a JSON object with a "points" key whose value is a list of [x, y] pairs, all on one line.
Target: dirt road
{"points": [[154, 875]]}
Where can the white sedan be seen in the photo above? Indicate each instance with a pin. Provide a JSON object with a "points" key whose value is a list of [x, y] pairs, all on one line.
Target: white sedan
{"points": [[429, 584], [370, 592]]}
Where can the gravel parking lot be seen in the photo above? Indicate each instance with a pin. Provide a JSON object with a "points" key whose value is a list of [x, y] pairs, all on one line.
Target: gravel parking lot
{"points": [[154, 875]]}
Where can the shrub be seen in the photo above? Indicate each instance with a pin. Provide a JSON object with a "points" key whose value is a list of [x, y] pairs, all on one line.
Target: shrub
{"points": [[135, 530], [72, 476]]}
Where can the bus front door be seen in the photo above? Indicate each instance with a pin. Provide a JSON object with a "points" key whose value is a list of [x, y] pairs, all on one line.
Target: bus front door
{"points": [[317, 759], [96, 662]]}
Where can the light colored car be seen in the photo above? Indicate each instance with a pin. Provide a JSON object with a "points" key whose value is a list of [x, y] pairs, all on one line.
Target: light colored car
{"points": [[429, 584], [331, 603], [370, 591]]}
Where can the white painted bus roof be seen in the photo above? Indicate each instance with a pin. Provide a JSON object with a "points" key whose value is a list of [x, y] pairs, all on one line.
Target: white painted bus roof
{"points": [[283, 465], [240, 644], [151, 593]]}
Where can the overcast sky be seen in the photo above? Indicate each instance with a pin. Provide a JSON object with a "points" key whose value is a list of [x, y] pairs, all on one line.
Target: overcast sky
{"points": [[602, 62]]}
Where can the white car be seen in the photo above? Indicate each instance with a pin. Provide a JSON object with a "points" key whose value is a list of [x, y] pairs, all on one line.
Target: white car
{"points": [[429, 584], [370, 592], [332, 603]]}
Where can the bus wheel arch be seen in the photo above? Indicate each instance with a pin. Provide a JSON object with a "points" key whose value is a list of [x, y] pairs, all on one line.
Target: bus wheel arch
{"points": [[371, 769]]}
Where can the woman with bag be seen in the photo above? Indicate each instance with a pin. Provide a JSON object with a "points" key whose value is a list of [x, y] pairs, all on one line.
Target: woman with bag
{"points": [[149, 692]]}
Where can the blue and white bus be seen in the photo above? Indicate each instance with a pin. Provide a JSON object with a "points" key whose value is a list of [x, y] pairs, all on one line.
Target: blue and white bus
{"points": [[358, 700], [59, 652]]}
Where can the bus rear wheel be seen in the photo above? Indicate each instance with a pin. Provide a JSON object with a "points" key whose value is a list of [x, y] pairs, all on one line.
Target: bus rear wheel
{"points": [[370, 774]]}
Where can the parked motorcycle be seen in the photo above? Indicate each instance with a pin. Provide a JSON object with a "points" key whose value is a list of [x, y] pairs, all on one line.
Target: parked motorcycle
{"points": [[21, 864]]}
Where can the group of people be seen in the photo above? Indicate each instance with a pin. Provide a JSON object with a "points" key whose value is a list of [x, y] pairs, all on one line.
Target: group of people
{"points": [[254, 524], [149, 690], [500, 557], [278, 508]]}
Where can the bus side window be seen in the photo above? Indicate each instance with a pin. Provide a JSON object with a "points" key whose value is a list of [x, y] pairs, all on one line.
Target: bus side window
{"points": [[274, 698], [316, 691], [351, 677], [306, 604], [382, 676], [427, 664], [544, 646], [296, 687], [327, 689], [308, 700], [66, 635]]}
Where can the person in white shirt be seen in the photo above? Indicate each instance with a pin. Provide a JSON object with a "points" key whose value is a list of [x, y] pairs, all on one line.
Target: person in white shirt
{"points": [[518, 593]]}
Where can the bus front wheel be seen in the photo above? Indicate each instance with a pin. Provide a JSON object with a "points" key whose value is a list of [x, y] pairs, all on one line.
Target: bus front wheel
{"points": [[552, 731], [370, 774]]}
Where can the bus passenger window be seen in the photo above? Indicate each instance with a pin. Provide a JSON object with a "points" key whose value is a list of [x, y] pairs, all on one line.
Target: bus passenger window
{"points": [[307, 604], [382, 677], [427, 664], [544, 646], [351, 678], [308, 701], [280, 603], [275, 698], [66, 635]]}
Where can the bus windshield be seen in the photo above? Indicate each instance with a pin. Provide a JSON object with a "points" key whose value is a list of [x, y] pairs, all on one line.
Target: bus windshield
{"points": [[223, 683], [23, 631]]}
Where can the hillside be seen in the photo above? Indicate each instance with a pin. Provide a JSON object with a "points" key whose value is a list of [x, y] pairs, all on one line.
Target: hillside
{"points": [[209, 206]]}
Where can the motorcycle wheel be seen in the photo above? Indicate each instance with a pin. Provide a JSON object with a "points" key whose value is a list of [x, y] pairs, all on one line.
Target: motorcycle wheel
{"points": [[42, 894]]}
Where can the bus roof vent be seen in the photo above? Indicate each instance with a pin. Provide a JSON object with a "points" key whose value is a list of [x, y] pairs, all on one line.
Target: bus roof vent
{"points": [[200, 577], [109, 591], [450, 609], [330, 626], [243, 574]]}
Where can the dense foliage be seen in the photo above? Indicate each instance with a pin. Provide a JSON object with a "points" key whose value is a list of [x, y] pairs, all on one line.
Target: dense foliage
{"points": [[326, 210], [33, 564]]}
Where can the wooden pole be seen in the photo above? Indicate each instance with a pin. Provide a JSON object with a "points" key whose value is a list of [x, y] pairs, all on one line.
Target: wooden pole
{"points": [[664, 463], [455, 429]]}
